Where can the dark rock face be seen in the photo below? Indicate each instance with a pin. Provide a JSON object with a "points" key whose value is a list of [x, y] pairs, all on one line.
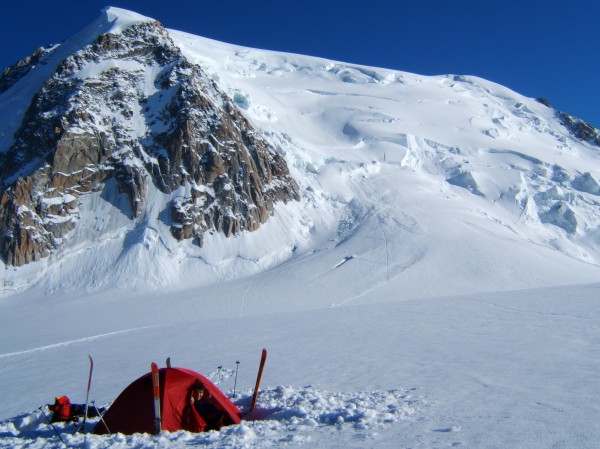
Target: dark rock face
{"points": [[544, 101], [97, 119], [580, 129]]}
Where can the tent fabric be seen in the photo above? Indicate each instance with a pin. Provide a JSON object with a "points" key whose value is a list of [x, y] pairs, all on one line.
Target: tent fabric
{"points": [[133, 410]]}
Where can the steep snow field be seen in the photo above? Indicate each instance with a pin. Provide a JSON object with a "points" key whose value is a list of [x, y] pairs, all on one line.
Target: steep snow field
{"points": [[436, 285]]}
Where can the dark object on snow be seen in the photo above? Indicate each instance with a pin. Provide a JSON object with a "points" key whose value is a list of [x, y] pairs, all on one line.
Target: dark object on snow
{"points": [[63, 410], [78, 410], [545, 102], [133, 411]]}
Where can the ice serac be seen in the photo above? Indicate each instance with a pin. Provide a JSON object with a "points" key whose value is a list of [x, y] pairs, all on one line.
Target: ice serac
{"points": [[130, 107]]}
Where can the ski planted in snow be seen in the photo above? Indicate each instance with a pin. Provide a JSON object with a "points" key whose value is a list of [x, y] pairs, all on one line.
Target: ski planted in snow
{"points": [[87, 394], [156, 392], [263, 359]]}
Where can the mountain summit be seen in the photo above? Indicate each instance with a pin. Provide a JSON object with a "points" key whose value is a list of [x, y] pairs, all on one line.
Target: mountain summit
{"points": [[133, 154], [124, 111]]}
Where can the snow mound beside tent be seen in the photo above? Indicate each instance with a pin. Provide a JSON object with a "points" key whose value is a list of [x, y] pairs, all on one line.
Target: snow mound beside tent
{"points": [[286, 416]]}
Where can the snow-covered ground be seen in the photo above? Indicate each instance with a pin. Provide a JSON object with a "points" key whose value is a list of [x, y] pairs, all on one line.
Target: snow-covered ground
{"points": [[437, 284], [497, 370]]}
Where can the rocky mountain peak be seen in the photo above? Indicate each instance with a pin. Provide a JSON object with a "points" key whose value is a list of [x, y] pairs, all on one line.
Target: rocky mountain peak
{"points": [[130, 107]]}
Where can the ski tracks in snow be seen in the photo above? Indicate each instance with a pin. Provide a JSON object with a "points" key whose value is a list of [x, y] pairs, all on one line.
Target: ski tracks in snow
{"points": [[71, 342], [244, 297]]}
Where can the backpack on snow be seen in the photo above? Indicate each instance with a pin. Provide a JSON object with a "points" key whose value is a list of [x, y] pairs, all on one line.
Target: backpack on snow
{"points": [[65, 411], [61, 409]]}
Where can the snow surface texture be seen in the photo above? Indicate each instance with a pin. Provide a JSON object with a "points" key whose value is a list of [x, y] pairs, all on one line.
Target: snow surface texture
{"points": [[291, 417], [419, 195], [500, 370]]}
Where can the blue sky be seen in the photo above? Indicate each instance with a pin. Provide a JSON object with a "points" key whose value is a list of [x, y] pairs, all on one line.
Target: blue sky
{"points": [[538, 48]]}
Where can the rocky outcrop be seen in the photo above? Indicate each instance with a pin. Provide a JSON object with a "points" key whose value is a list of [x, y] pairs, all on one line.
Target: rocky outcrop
{"points": [[15, 72], [131, 107], [581, 129]]}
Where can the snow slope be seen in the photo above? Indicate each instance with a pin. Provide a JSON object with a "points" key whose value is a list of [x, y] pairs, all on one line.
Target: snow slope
{"points": [[405, 301], [450, 178]]}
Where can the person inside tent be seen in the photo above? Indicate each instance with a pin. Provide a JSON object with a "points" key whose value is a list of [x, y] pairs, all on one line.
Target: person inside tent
{"points": [[201, 414]]}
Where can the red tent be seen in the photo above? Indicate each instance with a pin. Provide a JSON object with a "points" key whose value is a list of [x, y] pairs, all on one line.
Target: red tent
{"points": [[133, 410]]}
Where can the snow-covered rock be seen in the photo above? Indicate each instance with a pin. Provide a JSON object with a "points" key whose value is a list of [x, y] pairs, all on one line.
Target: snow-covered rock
{"points": [[130, 106]]}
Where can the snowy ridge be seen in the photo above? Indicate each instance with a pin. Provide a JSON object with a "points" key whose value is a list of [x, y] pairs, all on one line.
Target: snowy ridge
{"points": [[15, 101]]}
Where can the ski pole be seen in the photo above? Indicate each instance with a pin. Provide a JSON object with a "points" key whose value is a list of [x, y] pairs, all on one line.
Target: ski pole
{"points": [[53, 428], [237, 365], [101, 415]]}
